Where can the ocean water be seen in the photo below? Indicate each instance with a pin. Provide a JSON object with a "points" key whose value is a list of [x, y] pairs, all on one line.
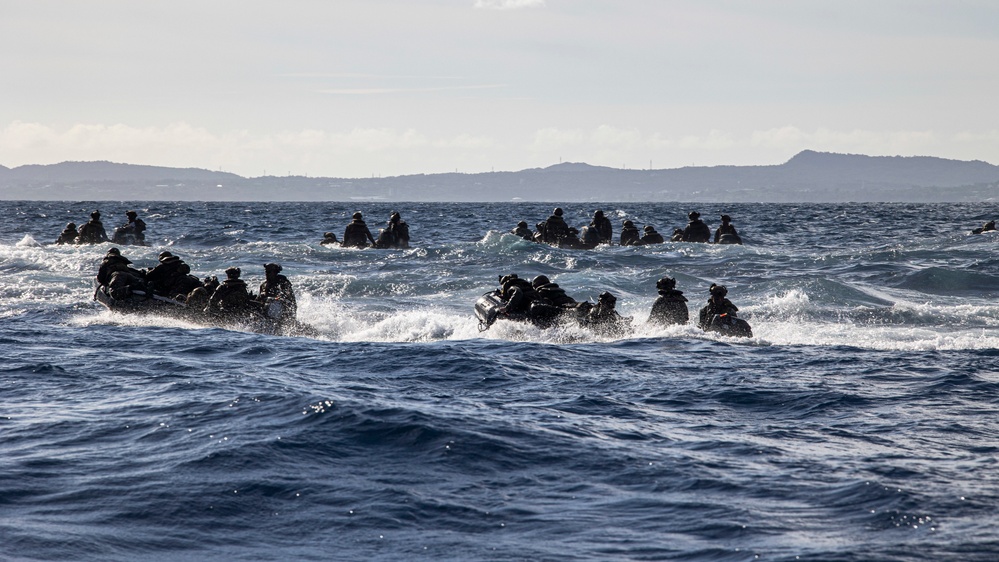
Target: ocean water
{"points": [[861, 422]]}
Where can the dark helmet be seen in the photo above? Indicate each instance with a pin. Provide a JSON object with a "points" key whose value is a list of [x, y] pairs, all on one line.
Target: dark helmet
{"points": [[607, 298], [272, 267], [598, 214], [693, 215], [557, 212], [357, 215], [718, 290], [522, 224], [726, 218], [95, 215], [649, 228], [666, 283], [71, 225], [328, 235], [628, 223], [539, 281], [396, 217], [233, 273], [113, 252], [131, 214]]}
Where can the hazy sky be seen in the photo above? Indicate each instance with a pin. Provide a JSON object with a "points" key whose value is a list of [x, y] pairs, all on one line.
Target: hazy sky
{"points": [[361, 88]]}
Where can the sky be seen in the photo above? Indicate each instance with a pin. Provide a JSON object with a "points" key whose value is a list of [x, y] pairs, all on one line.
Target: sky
{"points": [[376, 88]]}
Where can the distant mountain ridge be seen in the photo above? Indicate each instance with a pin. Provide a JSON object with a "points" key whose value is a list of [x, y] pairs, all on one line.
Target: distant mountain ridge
{"points": [[809, 176]]}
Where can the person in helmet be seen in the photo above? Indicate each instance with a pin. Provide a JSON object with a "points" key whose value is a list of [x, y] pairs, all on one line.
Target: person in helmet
{"points": [[68, 235], [555, 229], [696, 230], [277, 286], [93, 231], [329, 239], [357, 235], [603, 226], [602, 316], [231, 297], [394, 235], [551, 292], [650, 236], [717, 305], [671, 306], [630, 235], [726, 234], [523, 231], [134, 227], [400, 230]]}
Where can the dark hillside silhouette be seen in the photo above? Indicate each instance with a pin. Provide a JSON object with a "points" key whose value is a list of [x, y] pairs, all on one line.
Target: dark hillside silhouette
{"points": [[807, 177]]}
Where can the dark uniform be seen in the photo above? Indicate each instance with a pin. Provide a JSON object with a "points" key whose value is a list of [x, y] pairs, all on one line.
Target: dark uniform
{"points": [[555, 229], [523, 231], [717, 305], [651, 236], [93, 231], [357, 235], [696, 230], [231, 296], [277, 286], [68, 235], [603, 226], [630, 235], [726, 228], [671, 306]]}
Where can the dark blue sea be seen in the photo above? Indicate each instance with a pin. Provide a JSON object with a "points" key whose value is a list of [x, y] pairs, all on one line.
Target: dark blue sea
{"points": [[861, 422]]}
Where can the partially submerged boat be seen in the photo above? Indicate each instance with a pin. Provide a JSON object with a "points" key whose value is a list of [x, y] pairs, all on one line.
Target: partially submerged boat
{"points": [[266, 318], [490, 307]]}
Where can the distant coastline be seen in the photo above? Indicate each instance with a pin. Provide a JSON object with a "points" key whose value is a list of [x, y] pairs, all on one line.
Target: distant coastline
{"points": [[808, 177]]}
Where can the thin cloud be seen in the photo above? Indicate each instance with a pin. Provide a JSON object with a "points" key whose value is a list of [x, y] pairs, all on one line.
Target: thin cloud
{"points": [[383, 91], [508, 4]]}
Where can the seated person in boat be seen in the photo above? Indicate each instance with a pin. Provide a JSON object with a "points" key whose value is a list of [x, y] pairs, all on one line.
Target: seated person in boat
{"points": [[93, 231], [717, 305], [630, 235], [231, 297], [603, 226], [68, 235], [726, 232], [651, 236], [277, 286], [671, 306], [602, 314], [132, 232], [696, 230], [357, 235], [115, 275], [523, 231]]}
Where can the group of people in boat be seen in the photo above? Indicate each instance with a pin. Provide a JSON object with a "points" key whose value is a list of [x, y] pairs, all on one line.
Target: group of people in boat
{"points": [[132, 232], [395, 235], [556, 232], [542, 302], [718, 315], [171, 278]]}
